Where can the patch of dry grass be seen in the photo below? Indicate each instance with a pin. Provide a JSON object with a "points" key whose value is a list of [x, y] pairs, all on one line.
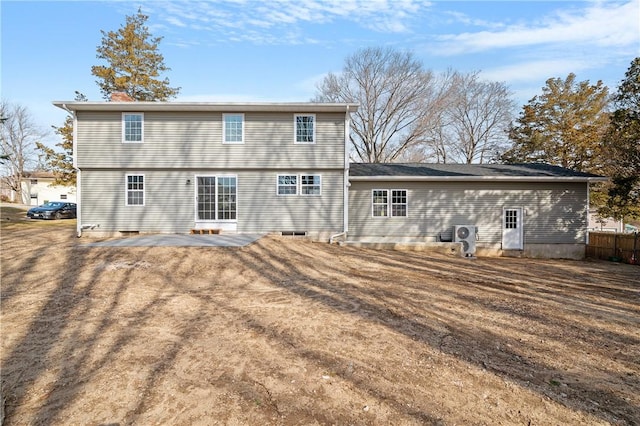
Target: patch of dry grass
{"points": [[15, 217]]}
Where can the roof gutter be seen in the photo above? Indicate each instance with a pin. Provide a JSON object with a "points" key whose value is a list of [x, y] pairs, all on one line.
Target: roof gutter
{"points": [[299, 107], [476, 179], [64, 107]]}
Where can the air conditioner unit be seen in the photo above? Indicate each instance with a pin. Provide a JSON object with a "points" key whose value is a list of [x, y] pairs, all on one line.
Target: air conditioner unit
{"points": [[465, 234]]}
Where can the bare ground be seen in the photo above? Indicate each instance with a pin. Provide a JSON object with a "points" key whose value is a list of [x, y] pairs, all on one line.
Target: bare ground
{"points": [[291, 332]]}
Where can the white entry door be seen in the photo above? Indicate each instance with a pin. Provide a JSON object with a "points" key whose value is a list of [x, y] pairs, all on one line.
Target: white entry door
{"points": [[512, 229]]}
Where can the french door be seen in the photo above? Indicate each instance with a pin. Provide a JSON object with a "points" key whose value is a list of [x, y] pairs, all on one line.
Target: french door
{"points": [[216, 198]]}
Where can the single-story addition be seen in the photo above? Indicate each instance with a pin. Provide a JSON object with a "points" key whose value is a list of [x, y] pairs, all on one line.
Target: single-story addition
{"points": [[181, 167], [532, 210]]}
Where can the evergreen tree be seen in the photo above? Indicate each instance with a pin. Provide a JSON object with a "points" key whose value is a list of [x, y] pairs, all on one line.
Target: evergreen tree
{"points": [[134, 63], [61, 162], [563, 126], [622, 145]]}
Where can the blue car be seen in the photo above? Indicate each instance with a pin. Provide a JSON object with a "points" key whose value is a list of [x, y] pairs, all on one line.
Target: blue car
{"points": [[53, 210]]}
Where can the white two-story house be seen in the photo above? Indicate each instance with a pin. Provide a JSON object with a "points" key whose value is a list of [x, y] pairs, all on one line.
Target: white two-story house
{"points": [[171, 167], [178, 167]]}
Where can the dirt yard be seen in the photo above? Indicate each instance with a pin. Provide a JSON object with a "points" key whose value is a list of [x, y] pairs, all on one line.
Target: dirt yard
{"points": [[290, 332]]}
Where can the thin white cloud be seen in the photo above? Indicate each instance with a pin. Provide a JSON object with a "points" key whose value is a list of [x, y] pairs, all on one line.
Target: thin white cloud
{"points": [[537, 70], [599, 24], [267, 22], [462, 18], [175, 22]]}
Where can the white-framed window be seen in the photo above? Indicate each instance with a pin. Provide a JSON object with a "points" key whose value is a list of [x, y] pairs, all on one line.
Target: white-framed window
{"points": [[287, 184], [217, 198], [305, 128], [226, 198], [511, 219], [134, 190], [232, 128], [299, 184], [310, 185], [379, 202], [132, 127], [389, 203], [398, 203]]}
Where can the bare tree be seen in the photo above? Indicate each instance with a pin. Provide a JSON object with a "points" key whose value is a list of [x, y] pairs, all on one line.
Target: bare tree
{"points": [[472, 123], [395, 95], [18, 137]]}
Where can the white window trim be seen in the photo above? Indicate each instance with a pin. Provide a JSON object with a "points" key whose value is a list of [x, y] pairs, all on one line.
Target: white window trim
{"points": [[122, 121], [224, 129], [374, 204], [391, 203], [126, 190], [295, 129], [278, 184], [195, 191], [320, 184], [298, 185]]}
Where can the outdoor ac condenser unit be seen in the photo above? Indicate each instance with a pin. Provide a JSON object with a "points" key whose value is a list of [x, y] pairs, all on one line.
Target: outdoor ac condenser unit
{"points": [[465, 234]]}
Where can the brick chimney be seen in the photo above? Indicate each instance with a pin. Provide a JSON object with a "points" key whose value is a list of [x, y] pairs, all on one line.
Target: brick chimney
{"points": [[121, 97]]}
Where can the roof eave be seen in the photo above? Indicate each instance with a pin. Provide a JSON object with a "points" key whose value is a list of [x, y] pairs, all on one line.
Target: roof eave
{"points": [[208, 106], [478, 178]]}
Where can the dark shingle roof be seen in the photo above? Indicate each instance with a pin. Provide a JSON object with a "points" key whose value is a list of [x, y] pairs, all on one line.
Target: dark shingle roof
{"points": [[423, 171]]}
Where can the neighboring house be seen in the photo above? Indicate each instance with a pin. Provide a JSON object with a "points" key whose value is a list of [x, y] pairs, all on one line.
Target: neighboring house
{"points": [[608, 224], [530, 209], [37, 188], [179, 167], [283, 168]]}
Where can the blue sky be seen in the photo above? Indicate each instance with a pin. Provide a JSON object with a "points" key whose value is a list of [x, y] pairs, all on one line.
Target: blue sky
{"points": [[277, 50]]}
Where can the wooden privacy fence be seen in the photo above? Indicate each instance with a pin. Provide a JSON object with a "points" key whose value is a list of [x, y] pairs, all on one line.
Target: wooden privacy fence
{"points": [[613, 246]]}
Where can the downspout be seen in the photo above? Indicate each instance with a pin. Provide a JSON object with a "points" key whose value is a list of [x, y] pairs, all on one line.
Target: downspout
{"points": [[586, 237], [345, 192]]}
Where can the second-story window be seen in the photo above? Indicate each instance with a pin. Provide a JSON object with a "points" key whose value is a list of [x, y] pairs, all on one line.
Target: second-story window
{"points": [[305, 128], [132, 127], [232, 128]]}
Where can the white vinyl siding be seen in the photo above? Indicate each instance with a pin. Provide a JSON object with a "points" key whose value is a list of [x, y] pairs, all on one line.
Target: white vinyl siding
{"points": [[553, 213], [134, 188], [170, 204], [132, 127], [305, 128], [233, 128], [194, 140]]}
